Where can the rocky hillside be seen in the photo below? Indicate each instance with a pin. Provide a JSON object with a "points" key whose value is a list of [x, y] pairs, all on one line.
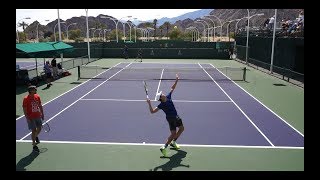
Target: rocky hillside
{"points": [[222, 14]]}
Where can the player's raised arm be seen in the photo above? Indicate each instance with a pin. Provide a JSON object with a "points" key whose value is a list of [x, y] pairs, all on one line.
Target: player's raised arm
{"points": [[156, 109], [175, 83]]}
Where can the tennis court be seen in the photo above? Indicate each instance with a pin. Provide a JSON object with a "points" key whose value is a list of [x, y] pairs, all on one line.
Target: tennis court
{"points": [[111, 109]]}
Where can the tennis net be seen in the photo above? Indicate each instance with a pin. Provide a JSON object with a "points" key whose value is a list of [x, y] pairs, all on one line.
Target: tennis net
{"points": [[96, 72]]}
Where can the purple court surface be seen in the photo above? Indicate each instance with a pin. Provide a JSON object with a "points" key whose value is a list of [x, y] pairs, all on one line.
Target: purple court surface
{"points": [[214, 112]]}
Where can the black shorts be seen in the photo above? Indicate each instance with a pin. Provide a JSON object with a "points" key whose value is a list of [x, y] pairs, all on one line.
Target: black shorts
{"points": [[174, 122]]}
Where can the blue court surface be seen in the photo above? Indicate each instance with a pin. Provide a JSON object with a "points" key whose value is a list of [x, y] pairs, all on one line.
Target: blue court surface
{"points": [[214, 112]]}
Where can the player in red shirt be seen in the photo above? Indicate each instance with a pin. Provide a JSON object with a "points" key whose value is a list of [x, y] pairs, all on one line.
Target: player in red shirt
{"points": [[33, 112]]}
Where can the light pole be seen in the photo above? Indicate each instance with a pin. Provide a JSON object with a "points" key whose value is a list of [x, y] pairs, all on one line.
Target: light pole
{"points": [[54, 31], [100, 33], [142, 32], [131, 24], [124, 27], [135, 31], [247, 45], [38, 31], [273, 39], [104, 34], [201, 20], [92, 29], [114, 20], [68, 27], [192, 33], [228, 28], [219, 21], [196, 30], [204, 28], [130, 29], [236, 28], [88, 34], [94, 32], [148, 30], [17, 27], [213, 28]]}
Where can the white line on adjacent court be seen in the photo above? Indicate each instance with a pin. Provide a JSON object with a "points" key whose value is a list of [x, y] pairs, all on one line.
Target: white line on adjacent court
{"points": [[238, 107], [139, 100], [73, 88], [158, 85], [155, 144], [263, 104], [30, 66], [79, 98]]}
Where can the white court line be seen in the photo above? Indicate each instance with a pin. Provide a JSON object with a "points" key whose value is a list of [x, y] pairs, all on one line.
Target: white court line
{"points": [[79, 99], [74, 88], [168, 62], [28, 66], [263, 105], [158, 85], [155, 144], [238, 107], [139, 100]]}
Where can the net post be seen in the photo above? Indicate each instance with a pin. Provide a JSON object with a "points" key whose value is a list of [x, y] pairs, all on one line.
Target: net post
{"points": [[244, 73], [78, 73]]}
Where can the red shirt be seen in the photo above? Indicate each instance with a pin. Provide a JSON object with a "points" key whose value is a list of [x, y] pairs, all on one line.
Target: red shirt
{"points": [[32, 105]]}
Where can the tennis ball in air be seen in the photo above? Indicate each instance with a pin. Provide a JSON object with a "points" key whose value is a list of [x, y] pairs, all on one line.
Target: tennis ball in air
{"points": [[143, 142], [175, 27]]}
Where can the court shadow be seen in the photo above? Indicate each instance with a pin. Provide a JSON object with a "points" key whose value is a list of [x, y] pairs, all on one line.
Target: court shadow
{"points": [[174, 161], [75, 82], [21, 89], [24, 162], [45, 88]]}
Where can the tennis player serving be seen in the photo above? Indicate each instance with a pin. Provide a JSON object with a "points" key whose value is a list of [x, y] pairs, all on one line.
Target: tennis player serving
{"points": [[172, 117]]}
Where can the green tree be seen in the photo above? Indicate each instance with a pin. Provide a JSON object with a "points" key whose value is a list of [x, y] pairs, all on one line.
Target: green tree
{"points": [[112, 34], [161, 29], [47, 34], [167, 26], [155, 27], [57, 36], [175, 34], [23, 25], [22, 37], [74, 34], [231, 34]]}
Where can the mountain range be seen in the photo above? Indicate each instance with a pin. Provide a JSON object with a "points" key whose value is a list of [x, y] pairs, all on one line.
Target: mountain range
{"points": [[191, 15], [181, 22]]}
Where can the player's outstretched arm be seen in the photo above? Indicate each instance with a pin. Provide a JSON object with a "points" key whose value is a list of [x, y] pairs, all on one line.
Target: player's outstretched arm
{"points": [[175, 83]]}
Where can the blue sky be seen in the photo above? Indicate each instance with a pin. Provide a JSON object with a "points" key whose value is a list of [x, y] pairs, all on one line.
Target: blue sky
{"points": [[51, 14]]}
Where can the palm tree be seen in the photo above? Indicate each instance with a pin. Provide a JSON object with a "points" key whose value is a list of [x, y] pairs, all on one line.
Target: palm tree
{"points": [[167, 25], [23, 24], [155, 27], [161, 28]]}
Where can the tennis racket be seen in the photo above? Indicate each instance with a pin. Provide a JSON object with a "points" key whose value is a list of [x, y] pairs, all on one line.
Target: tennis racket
{"points": [[145, 88], [45, 126]]}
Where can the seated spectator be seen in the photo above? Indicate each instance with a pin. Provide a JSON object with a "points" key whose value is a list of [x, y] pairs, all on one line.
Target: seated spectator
{"points": [[48, 71], [266, 22], [271, 23], [54, 68]]}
